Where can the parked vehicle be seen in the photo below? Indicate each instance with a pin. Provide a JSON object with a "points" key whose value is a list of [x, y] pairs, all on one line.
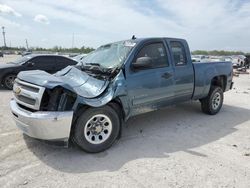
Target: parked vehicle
{"points": [[48, 63], [247, 61], [216, 59], [26, 53], [1, 54], [89, 103], [79, 57], [238, 61], [227, 58], [198, 58]]}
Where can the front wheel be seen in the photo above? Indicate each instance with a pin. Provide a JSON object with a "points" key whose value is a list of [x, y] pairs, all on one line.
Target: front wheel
{"points": [[96, 129], [213, 102]]}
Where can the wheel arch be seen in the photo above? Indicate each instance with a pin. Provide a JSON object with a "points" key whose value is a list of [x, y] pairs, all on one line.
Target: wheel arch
{"points": [[115, 104], [220, 81]]}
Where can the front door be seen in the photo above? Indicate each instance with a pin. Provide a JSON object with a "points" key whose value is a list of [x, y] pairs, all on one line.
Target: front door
{"points": [[152, 87]]}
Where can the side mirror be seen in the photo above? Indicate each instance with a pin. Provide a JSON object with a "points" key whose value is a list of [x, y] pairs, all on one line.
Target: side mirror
{"points": [[30, 64], [143, 62]]}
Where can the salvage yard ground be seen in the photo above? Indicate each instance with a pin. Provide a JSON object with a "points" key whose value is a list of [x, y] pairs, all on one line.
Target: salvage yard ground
{"points": [[175, 147]]}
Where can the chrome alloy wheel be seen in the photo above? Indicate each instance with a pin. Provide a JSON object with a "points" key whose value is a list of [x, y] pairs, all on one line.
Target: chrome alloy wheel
{"points": [[98, 129], [216, 101]]}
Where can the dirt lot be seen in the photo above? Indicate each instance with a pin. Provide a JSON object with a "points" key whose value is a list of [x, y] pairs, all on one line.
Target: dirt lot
{"points": [[175, 147], [9, 58]]}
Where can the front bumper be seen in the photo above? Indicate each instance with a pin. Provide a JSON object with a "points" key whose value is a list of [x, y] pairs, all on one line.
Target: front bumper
{"points": [[43, 125]]}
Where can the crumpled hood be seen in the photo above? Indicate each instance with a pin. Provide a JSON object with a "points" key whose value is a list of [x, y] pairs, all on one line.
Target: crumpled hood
{"points": [[70, 78]]}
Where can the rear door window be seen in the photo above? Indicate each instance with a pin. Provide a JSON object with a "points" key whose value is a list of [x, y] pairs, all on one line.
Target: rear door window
{"points": [[179, 54], [43, 61], [63, 61]]}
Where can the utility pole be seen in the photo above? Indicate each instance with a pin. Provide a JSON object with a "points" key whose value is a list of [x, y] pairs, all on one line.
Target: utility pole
{"points": [[27, 46], [4, 40], [73, 40]]}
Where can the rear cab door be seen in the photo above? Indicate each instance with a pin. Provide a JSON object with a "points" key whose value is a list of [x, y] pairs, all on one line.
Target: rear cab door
{"points": [[182, 68], [150, 88]]}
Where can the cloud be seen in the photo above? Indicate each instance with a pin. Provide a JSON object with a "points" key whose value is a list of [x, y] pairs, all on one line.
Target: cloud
{"points": [[206, 24], [5, 9], [8, 23], [41, 19]]}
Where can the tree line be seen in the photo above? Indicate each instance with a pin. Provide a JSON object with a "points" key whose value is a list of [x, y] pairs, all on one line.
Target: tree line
{"points": [[218, 52], [86, 50], [83, 49]]}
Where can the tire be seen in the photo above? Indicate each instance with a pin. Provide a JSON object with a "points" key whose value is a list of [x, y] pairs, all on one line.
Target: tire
{"points": [[213, 102], [8, 81], [94, 134]]}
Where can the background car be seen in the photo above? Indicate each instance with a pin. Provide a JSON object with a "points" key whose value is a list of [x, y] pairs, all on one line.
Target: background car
{"points": [[247, 61], [228, 58], [238, 61], [200, 58], [79, 57], [48, 63], [26, 53], [197, 58]]}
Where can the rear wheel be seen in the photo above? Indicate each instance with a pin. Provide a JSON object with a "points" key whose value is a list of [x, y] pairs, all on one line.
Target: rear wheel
{"points": [[213, 102], [8, 81], [97, 129]]}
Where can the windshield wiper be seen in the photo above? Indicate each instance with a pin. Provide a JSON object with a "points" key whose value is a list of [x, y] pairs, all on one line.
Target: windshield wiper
{"points": [[95, 64], [93, 67], [98, 68]]}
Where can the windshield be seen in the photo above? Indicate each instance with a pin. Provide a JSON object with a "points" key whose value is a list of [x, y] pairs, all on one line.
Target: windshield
{"points": [[21, 60], [110, 55]]}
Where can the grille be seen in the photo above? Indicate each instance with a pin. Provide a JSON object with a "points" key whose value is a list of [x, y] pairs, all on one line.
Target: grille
{"points": [[28, 95], [26, 100]]}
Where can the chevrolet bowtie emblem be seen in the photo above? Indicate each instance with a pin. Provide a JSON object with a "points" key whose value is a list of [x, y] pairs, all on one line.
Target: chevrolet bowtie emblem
{"points": [[17, 90]]}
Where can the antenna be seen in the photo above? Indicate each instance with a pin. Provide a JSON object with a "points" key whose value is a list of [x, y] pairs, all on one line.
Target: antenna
{"points": [[4, 40]]}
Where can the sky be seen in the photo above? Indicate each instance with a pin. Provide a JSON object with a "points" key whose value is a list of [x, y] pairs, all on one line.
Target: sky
{"points": [[205, 24]]}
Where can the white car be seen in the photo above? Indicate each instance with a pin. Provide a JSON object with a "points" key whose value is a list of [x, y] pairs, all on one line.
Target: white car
{"points": [[198, 58], [238, 61]]}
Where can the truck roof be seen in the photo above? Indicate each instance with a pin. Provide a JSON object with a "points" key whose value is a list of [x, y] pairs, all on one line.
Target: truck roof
{"points": [[152, 38]]}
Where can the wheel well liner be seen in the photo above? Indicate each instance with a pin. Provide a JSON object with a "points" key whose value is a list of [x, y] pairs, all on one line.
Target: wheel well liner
{"points": [[220, 81]]}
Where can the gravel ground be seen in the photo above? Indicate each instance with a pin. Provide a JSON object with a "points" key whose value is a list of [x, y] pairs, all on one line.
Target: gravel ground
{"points": [[9, 58], [175, 147]]}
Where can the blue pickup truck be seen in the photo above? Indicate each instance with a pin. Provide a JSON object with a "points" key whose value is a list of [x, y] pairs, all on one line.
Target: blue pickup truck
{"points": [[89, 102]]}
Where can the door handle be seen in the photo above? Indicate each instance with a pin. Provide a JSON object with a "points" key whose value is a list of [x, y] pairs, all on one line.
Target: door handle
{"points": [[166, 75]]}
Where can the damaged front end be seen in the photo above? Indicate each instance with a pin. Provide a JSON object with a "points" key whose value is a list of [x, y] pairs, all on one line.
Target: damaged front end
{"points": [[44, 104], [58, 99], [28, 112]]}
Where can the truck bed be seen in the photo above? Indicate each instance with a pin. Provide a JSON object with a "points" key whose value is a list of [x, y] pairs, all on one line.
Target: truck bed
{"points": [[204, 72]]}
